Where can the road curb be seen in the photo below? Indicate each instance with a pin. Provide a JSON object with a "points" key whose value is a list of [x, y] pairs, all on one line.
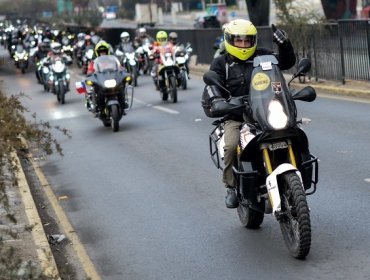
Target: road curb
{"points": [[44, 253], [70, 233], [40, 236]]}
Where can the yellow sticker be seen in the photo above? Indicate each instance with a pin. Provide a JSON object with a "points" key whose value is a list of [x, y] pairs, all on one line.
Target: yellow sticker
{"points": [[260, 81]]}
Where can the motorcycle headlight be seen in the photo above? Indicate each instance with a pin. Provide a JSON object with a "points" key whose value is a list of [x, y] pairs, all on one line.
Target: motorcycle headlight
{"points": [[68, 76], [58, 67], [110, 83], [276, 115]]}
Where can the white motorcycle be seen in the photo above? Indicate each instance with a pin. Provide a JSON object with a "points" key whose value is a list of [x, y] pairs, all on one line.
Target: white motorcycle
{"points": [[129, 62], [182, 55]]}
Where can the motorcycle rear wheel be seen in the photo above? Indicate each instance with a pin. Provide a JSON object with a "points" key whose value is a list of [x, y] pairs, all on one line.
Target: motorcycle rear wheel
{"points": [[249, 217], [296, 225]]}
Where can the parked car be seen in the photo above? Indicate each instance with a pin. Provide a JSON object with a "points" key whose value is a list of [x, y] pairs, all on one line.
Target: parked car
{"points": [[207, 21]]}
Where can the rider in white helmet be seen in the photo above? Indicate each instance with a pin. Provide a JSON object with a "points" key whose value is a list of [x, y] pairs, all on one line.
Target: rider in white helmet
{"points": [[125, 44], [142, 37]]}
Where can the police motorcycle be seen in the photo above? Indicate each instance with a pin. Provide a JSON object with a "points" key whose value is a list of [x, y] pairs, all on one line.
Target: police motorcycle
{"points": [[59, 77], [168, 71], [182, 54], [21, 57], [275, 170], [129, 62], [105, 84]]}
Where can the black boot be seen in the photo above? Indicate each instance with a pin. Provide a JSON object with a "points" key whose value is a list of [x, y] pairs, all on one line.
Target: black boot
{"points": [[231, 200]]}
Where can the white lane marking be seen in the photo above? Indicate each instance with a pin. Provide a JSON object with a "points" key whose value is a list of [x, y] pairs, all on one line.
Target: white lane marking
{"points": [[170, 111], [367, 180], [160, 108]]}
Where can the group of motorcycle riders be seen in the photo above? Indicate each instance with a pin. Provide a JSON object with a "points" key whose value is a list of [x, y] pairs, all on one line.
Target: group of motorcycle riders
{"points": [[234, 67]]}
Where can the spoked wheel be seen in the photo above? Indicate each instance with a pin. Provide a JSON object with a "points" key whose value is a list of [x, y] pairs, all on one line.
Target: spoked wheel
{"points": [[114, 115], [172, 88], [295, 225]]}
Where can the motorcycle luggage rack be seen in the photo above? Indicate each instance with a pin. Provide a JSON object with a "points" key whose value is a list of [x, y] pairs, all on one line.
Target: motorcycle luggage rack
{"points": [[315, 180]]}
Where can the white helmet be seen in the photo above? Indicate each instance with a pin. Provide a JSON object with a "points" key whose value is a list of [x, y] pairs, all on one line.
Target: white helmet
{"points": [[125, 37], [56, 48], [142, 32]]}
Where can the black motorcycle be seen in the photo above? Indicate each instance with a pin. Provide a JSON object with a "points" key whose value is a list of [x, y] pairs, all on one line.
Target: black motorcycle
{"points": [[275, 169], [108, 82]]}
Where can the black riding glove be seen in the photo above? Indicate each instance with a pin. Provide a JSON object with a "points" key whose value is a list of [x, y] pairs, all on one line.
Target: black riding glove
{"points": [[279, 36]]}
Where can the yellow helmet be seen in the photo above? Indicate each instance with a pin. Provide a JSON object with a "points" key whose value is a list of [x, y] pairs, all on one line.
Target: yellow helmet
{"points": [[240, 29], [102, 47], [161, 37]]}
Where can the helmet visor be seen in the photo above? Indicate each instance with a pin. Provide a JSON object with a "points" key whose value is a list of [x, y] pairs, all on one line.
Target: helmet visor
{"points": [[241, 41], [162, 39]]}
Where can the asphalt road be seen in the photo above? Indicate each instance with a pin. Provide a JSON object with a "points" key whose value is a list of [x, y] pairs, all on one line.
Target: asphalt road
{"points": [[148, 203]]}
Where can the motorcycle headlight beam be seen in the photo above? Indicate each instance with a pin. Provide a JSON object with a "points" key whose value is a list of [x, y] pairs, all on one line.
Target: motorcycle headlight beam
{"points": [[110, 83], [276, 115]]}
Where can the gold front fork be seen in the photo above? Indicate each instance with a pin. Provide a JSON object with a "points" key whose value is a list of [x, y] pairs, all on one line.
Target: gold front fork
{"points": [[291, 155]]}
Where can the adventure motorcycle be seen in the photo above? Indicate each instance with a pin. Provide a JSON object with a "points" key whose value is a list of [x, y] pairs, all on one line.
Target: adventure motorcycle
{"points": [[275, 169], [168, 71], [129, 62], [59, 78], [182, 55], [142, 54], [106, 84]]}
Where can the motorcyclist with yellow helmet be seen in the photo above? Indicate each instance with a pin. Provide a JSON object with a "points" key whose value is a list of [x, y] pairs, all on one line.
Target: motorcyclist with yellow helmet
{"points": [[103, 48], [235, 70], [160, 46]]}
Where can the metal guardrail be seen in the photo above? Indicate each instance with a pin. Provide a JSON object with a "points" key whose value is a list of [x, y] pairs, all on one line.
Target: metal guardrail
{"points": [[338, 51]]}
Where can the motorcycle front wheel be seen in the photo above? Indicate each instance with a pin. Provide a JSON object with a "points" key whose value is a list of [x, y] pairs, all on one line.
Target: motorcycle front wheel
{"points": [[114, 116], [134, 72], [184, 80], [172, 88], [61, 94], [295, 224]]}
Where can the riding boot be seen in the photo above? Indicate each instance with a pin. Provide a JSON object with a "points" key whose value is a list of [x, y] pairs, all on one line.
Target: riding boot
{"points": [[231, 200]]}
